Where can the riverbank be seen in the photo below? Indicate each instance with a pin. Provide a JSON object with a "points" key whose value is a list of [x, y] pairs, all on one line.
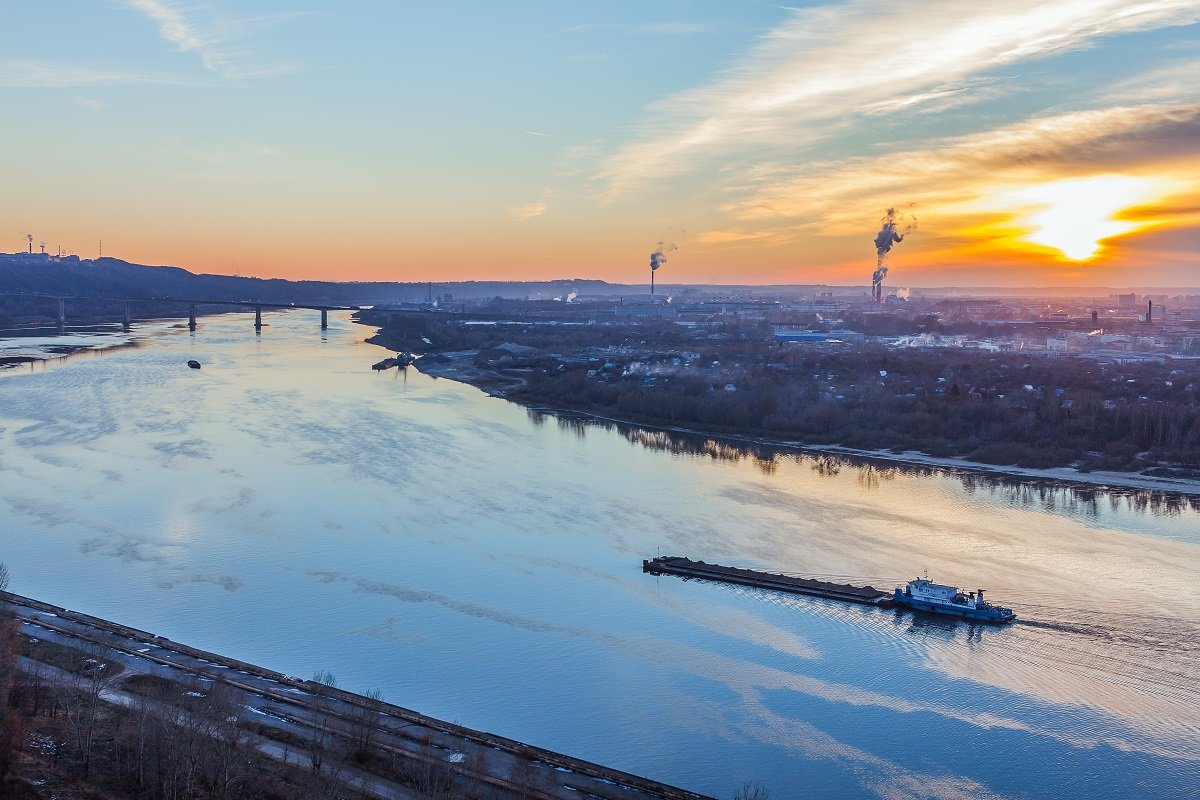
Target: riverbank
{"points": [[356, 743], [460, 366]]}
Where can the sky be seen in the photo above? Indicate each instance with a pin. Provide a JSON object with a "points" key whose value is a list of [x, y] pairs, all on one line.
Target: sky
{"points": [[1026, 143]]}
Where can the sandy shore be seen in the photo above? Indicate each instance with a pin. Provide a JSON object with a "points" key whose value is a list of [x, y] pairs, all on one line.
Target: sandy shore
{"points": [[461, 367]]}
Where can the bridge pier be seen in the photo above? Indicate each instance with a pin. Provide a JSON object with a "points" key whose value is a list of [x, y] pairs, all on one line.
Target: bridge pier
{"points": [[324, 318], [258, 318], [128, 318], [192, 317], [62, 315]]}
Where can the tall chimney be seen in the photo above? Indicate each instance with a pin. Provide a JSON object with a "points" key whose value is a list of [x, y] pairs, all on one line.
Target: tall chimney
{"points": [[1095, 317], [1149, 312]]}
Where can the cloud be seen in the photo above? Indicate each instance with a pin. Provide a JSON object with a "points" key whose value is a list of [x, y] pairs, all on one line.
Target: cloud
{"points": [[731, 236], [528, 211], [180, 25], [1171, 82], [21, 73], [826, 65], [90, 103], [175, 27], [956, 170]]}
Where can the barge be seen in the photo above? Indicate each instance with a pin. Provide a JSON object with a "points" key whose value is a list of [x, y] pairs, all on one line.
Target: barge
{"points": [[920, 594], [686, 568]]}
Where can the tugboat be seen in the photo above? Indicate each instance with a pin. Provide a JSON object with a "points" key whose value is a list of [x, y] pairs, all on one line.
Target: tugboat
{"points": [[922, 594]]}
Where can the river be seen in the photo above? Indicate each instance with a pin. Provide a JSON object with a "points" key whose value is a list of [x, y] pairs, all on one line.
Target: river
{"points": [[289, 507]]}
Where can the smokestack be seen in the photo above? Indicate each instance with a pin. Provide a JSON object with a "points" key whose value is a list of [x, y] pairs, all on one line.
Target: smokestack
{"points": [[1095, 318], [1149, 312], [657, 259], [887, 236]]}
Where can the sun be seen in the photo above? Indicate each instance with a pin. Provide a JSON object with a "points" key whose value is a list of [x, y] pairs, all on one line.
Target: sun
{"points": [[1074, 216]]}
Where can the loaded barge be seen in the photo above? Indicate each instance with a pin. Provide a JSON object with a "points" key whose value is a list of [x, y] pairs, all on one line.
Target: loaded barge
{"points": [[920, 594], [686, 568]]}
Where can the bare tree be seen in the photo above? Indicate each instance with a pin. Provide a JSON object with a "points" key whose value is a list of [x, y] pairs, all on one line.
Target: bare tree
{"points": [[364, 723], [141, 732], [225, 770], [752, 790], [4, 576], [526, 774], [11, 727], [95, 675], [320, 741], [432, 779]]}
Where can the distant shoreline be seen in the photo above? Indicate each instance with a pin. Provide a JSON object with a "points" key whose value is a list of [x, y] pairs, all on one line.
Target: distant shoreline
{"points": [[495, 384]]}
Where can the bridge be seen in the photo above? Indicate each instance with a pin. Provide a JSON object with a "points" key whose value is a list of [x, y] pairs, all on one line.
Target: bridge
{"points": [[257, 305]]}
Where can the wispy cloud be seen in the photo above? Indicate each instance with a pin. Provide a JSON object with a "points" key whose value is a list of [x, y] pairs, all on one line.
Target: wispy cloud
{"points": [[176, 28], [524, 213], [20, 73], [1171, 82], [664, 27], [197, 29], [90, 103], [538, 133], [733, 236], [829, 64]]}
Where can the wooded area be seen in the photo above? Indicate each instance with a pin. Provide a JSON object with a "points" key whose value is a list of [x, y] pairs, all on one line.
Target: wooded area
{"points": [[990, 407]]}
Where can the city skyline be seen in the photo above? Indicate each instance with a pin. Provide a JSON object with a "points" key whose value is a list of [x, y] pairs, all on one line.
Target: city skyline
{"points": [[1035, 145]]}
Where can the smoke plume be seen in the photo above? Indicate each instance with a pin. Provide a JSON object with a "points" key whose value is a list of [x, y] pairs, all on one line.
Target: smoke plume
{"points": [[888, 235], [659, 256]]}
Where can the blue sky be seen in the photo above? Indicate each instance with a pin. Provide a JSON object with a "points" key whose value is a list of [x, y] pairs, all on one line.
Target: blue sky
{"points": [[537, 140]]}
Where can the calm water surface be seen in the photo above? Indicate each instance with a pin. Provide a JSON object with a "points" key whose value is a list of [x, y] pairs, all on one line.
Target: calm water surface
{"points": [[287, 506]]}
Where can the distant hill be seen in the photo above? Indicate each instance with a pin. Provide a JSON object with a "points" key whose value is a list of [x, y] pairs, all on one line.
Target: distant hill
{"points": [[112, 277]]}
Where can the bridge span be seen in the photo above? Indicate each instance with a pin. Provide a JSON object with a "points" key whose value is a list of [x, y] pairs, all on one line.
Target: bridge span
{"points": [[191, 303]]}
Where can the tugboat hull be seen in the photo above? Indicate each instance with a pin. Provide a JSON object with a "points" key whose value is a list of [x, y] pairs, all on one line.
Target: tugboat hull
{"points": [[924, 595], [961, 613]]}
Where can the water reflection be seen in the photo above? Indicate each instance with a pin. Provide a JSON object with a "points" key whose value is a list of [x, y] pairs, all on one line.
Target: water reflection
{"points": [[289, 506], [1052, 495]]}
